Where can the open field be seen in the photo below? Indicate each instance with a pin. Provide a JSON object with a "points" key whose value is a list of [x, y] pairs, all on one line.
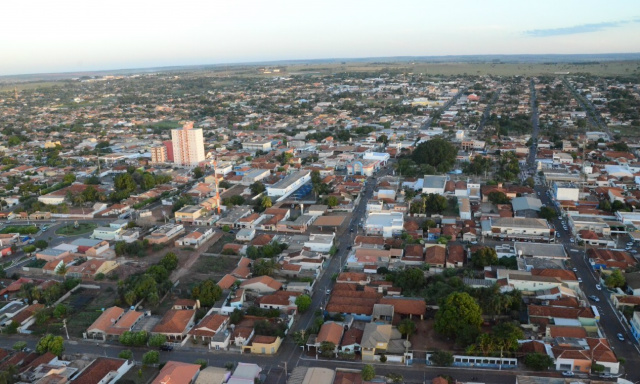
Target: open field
{"points": [[612, 68], [27, 86], [625, 131], [21, 229], [87, 306], [69, 230]]}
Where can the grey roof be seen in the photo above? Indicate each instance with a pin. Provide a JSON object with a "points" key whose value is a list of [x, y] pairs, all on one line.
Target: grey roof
{"points": [[520, 222], [526, 203], [540, 249], [290, 179], [382, 310], [434, 181], [86, 242], [633, 280]]}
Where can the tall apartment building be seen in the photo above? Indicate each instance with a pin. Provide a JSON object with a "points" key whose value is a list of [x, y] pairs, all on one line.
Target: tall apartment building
{"points": [[188, 145], [159, 154]]}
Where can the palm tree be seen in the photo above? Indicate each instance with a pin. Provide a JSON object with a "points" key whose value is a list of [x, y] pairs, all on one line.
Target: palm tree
{"points": [[407, 327], [409, 194], [266, 202], [424, 202], [62, 269]]}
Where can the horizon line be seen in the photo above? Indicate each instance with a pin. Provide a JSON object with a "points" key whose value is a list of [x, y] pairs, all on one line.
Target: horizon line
{"points": [[347, 59]]}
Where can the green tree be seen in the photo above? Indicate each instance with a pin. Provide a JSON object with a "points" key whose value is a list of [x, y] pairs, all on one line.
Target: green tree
{"points": [[208, 292], [29, 249], [368, 372], [497, 197], [303, 302], [436, 152], [157, 340], [202, 363], [538, 361], [547, 213], [12, 328], [19, 345], [266, 202], [507, 335], [257, 188], [407, 327], [169, 261], [435, 203], [484, 257], [151, 357], [41, 244], [529, 182], [197, 172], [332, 201], [459, 316], [615, 279], [442, 358], [69, 178], [327, 349], [50, 343], [125, 354], [124, 182], [264, 267], [61, 310]]}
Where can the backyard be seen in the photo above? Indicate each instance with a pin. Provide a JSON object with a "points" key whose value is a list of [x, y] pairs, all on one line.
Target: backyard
{"points": [[72, 230]]}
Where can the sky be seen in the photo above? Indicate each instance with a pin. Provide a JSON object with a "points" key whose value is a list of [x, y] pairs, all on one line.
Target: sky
{"points": [[47, 36]]}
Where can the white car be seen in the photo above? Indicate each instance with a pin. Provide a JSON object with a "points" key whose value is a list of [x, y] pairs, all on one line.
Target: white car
{"points": [[579, 279], [620, 337], [568, 374], [598, 287], [575, 269], [630, 243], [571, 240], [633, 251]]}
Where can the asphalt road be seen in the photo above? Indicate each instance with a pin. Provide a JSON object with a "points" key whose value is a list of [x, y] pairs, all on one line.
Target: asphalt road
{"points": [[487, 110], [610, 324], [534, 127]]}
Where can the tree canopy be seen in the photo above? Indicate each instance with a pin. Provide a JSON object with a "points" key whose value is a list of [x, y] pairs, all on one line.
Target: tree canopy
{"points": [[50, 343], [208, 292], [459, 317], [484, 257], [303, 302], [436, 152]]}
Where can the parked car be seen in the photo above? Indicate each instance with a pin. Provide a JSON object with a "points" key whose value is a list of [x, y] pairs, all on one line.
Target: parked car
{"points": [[575, 269], [594, 298], [568, 373], [598, 287], [633, 251], [579, 279], [166, 347], [630, 243], [620, 337], [571, 240]]}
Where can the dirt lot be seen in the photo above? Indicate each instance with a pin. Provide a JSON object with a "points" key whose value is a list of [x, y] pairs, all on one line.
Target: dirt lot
{"points": [[426, 338]]}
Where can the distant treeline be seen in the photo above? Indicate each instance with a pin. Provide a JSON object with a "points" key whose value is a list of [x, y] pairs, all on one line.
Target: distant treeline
{"points": [[574, 63]]}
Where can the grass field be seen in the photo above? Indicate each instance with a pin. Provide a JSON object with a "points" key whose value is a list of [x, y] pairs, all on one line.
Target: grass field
{"points": [[216, 264], [217, 246], [167, 124], [69, 230], [87, 306], [625, 131], [21, 229]]}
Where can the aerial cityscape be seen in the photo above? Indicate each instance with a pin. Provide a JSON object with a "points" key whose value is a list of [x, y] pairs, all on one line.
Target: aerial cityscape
{"points": [[290, 194]]}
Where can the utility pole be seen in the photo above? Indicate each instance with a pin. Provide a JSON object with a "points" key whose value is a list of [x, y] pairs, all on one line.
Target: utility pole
{"points": [[64, 324]]}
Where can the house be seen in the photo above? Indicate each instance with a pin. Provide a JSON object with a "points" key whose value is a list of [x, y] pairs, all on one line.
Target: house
{"points": [[263, 345], [26, 317], [579, 357], [208, 327], [406, 307], [520, 228], [246, 234], [107, 318], [104, 370], [261, 284], [330, 332], [380, 339], [91, 268], [165, 233], [175, 372], [282, 300], [435, 256], [351, 340], [175, 325]]}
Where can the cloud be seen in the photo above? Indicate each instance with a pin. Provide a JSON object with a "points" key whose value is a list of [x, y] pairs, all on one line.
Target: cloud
{"points": [[577, 29]]}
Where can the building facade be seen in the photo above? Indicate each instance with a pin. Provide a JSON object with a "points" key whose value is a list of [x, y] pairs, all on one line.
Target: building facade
{"points": [[188, 145]]}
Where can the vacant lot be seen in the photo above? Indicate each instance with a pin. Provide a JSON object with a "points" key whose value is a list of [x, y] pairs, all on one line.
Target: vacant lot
{"points": [[87, 305], [217, 246], [426, 339], [71, 230], [625, 131], [139, 375]]}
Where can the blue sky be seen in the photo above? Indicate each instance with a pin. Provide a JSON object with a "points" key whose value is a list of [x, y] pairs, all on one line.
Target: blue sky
{"points": [[70, 35]]}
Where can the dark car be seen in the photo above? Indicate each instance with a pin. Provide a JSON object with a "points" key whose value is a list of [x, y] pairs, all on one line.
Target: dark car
{"points": [[166, 347]]}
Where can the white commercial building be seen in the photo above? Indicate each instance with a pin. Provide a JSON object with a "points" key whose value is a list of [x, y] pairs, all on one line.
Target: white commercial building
{"points": [[434, 184], [387, 224], [188, 145], [382, 157], [320, 242], [289, 184], [565, 191]]}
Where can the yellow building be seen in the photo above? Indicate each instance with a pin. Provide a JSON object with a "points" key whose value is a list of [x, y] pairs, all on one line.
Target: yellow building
{"points": [[51, 144], [263, 345], [188, 214]]}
